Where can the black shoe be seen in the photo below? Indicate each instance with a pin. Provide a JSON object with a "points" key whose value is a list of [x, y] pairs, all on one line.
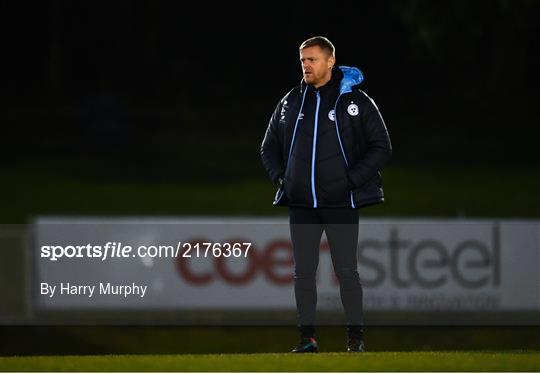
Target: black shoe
{"points": [[306, 345], [355, 344]]}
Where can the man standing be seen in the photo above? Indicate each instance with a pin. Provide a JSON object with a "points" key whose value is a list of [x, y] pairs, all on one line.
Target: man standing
{"points": [[324, 147]]}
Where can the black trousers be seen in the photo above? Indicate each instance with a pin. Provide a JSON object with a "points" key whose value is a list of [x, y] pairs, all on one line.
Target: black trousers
{"points": [[341, 228]]}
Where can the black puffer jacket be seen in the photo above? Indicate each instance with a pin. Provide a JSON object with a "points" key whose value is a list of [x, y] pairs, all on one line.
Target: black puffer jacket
{"points": [[339, 166]]}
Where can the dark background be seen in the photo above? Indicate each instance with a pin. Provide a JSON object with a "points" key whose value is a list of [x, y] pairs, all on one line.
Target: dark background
{"points": [[155, 90], [102, 100]]}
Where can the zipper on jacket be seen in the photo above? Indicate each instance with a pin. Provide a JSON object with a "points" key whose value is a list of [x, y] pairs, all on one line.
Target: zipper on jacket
{"points": [[313, 153], [341, 146]]}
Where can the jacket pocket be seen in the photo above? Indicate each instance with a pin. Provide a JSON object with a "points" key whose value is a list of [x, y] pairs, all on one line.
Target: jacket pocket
{"points": [[369, 193]]}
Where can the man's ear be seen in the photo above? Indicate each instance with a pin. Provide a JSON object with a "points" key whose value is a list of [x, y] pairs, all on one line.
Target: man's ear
{"points": [[331, 62]]}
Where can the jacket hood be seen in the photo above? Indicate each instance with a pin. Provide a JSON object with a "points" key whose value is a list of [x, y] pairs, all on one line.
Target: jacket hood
{"points": [[351, 77]]}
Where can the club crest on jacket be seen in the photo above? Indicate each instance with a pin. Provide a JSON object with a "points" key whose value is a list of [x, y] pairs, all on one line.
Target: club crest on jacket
{"points": [[352, 109]]}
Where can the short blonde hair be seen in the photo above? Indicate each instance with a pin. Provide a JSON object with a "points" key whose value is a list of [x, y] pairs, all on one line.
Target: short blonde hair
{"points": [[321, 41]]}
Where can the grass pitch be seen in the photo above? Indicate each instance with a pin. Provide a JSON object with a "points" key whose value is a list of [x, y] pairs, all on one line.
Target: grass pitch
{"points": [[370, 361]]}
